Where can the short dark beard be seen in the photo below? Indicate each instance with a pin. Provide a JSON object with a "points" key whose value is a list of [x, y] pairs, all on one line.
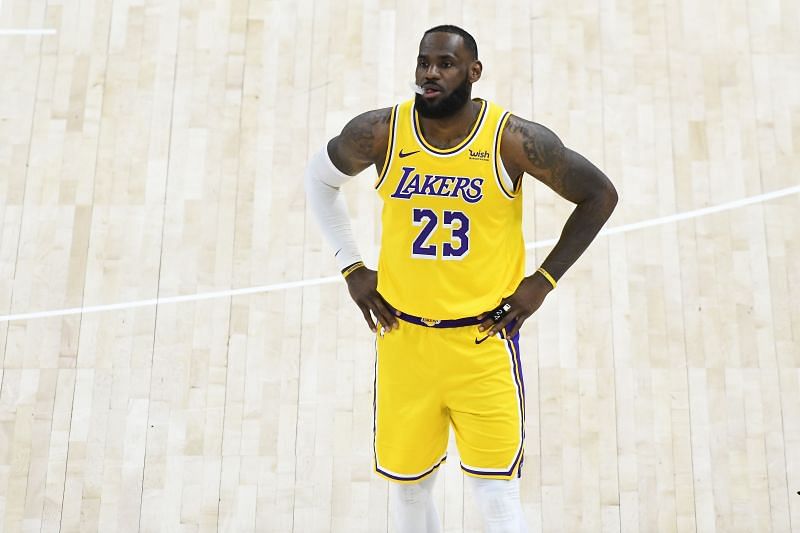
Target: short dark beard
{"points": [[448, 106]]}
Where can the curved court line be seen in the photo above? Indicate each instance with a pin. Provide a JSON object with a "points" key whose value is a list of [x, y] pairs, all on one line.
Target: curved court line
{"points": [[334, 279]]}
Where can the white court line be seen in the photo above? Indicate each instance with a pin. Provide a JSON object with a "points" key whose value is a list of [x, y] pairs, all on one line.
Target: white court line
{"points": [[681, 216], [174, 299], [30, 31], [338, 279]]}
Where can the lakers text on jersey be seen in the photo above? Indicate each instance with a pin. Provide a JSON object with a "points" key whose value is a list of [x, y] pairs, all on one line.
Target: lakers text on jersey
{"points": [[451, 243]]}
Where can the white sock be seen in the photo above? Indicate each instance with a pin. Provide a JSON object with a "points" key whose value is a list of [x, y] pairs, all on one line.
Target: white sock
{"points": [[412, 508], [498, 500]]}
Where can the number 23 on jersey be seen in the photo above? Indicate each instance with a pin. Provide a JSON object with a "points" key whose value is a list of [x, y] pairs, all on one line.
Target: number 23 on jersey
{"points": [[428, 220]]}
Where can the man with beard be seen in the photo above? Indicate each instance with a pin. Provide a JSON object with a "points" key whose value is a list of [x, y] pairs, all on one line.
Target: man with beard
{"points": [[452, 271]]}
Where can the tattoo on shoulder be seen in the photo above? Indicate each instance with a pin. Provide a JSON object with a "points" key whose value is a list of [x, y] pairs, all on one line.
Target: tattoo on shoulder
{"points": [[542, 154], [542, 147], [361, 131]]}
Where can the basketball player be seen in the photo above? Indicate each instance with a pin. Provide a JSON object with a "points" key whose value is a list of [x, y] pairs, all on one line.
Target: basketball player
{"points": [[450, 293]]}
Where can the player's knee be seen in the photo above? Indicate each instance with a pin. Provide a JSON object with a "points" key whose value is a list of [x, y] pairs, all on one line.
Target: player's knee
{"points": [[499, 502], [408, 493]]}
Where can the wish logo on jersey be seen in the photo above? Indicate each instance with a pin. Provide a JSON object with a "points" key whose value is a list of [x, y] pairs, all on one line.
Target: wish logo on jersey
{"points": [[413, 183]]}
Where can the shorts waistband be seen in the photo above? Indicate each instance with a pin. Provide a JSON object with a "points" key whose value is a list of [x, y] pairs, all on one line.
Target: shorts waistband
{"points": [[431, 323]]}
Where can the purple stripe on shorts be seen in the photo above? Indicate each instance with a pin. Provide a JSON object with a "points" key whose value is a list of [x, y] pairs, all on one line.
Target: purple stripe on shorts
{"points": [[513, 345], [411, 478], [517, 459], [431, 323]]}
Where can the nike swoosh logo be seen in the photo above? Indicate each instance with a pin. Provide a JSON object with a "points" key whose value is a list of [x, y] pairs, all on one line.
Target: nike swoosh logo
{"points": [[481, 340], [407, 154]]}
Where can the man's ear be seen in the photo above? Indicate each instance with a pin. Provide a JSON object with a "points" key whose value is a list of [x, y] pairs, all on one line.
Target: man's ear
{"points": [[475, 70]]}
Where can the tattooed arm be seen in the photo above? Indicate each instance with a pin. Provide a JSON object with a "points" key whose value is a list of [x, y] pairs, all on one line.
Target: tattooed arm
{"points": [[362, 143], [532, 148]]}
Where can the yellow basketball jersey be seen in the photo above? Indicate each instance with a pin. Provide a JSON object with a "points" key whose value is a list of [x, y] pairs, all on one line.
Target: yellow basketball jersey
{"points": [[451, 243]]}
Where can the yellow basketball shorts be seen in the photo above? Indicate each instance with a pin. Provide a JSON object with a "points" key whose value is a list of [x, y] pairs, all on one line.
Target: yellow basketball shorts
{"points": [[427, 378]]}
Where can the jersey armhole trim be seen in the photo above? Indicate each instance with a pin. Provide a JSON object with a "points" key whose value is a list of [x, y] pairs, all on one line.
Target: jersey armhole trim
{"points": [[389, 148], [501, 175]]}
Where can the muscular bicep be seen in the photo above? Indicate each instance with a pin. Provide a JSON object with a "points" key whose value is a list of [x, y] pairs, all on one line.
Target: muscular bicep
{"points": [[362, 142], [536, 150]]}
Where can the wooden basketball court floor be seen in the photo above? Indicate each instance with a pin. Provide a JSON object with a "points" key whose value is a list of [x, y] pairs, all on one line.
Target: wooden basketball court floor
{"points": [[155, 149]]}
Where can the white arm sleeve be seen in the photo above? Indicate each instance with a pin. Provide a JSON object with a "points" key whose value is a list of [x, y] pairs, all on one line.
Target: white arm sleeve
{"points": [[327, 203]]}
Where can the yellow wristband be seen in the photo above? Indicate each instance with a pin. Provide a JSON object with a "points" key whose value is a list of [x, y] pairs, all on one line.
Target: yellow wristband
{"points": [[352, 268], [547, 276]]}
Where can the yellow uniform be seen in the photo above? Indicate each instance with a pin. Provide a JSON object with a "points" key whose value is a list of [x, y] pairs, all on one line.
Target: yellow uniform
{"points": [[451, 249], [452, 242]]}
